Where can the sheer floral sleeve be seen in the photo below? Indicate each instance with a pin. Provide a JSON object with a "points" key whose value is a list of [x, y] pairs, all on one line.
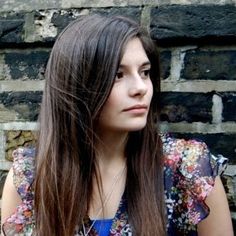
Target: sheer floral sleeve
{"points": [[190, 171], [21, 222]]}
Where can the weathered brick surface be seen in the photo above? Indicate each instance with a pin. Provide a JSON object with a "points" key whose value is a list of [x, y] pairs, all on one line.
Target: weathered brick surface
{"points": [[11, 27], [229, 106], [44, 25], [194, 2], [165, 60], [107, 3], [61, 18], [188, 107], [22, 5], [224, 144], [177, 24], [16, 28], [132, 12], [172, 22], [18, 138], [24, 104], [3, 175], [26, 64], [207, 64]]}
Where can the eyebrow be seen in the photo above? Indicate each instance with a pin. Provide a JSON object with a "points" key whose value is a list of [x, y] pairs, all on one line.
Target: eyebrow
{"points": [[146, 63]]}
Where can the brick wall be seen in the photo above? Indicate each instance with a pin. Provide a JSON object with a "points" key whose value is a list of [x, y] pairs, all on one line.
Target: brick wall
{"points": [[197, 40]]}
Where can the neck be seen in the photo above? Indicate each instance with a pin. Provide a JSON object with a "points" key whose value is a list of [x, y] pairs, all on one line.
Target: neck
{"points": [[111, 149], [111, 164]]}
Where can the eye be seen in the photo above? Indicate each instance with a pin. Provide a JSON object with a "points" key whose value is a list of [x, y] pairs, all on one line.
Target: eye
{"points": [[119, 75], [145, 73]]}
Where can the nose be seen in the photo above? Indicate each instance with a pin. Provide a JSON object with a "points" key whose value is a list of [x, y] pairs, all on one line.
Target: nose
{"points": [[138, 86]]}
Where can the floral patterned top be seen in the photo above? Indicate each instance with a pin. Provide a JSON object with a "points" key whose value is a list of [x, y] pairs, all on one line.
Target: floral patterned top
{"points": [[189, 175]]}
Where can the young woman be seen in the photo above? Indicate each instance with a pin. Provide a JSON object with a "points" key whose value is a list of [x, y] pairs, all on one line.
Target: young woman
{"points": [[100, 167]]}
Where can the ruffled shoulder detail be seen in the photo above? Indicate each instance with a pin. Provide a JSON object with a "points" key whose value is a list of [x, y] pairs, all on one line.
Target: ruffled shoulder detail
{"points": [[190, 171], [199, 168], [21, 222]]}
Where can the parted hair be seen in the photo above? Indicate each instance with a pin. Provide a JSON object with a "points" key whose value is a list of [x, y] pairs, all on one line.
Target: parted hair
{"points": [[79, 77]]}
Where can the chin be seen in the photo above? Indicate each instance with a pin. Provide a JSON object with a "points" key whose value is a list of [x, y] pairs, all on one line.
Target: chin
{"points": [[125, 126], [136, 127]]}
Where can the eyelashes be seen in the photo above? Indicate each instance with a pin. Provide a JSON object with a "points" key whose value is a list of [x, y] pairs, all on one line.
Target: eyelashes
{"points": [[144, 74], [119, 75]]}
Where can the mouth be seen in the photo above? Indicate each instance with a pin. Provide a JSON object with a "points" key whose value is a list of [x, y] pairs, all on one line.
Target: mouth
{"points": [[137, 108]]}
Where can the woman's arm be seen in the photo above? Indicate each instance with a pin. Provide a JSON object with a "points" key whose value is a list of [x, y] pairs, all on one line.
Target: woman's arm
{"points": [[218, 222], [10, 198]]}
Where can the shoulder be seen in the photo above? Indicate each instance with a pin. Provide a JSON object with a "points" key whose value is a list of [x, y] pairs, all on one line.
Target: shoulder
{"points": [[191, 157], [190, 172], [21, 222], [23, 169]]}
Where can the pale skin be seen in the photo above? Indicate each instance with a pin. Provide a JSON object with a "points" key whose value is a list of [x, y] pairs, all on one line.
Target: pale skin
{"points": [[218, 222], [134, 86]]}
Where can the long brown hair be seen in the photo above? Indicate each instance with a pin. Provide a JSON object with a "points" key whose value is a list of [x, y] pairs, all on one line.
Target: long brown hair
{"points": [[79, 77]]}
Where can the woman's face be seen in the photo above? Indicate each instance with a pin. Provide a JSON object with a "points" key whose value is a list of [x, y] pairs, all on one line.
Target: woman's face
{"points": [[128, 103]]}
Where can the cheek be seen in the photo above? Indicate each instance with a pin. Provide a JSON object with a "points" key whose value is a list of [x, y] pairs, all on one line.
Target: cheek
{"points": [[111, 104], [150, 91], [114, 98]]}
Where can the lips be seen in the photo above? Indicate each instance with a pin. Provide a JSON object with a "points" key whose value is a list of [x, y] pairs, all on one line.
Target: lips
{"points": [[136, 107]]}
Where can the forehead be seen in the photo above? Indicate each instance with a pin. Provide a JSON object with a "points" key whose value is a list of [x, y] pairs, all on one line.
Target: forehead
{"points": [[134, 53]]}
